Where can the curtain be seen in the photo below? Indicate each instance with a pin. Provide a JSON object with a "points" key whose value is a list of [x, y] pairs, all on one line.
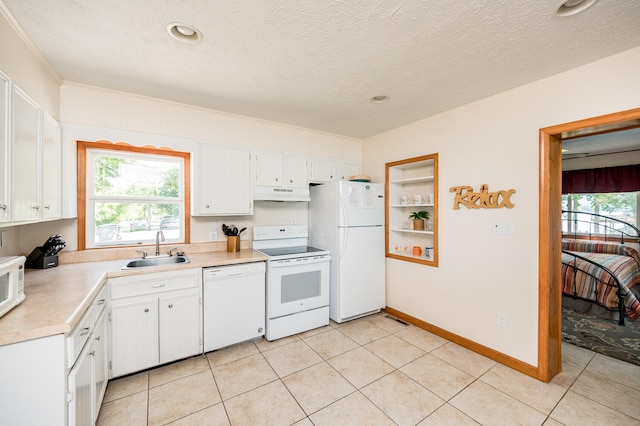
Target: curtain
{"points": [[606, 179]]}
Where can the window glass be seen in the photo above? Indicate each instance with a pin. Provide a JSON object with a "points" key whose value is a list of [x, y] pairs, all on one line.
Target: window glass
{"points": [[131, 196], [619, 206]]}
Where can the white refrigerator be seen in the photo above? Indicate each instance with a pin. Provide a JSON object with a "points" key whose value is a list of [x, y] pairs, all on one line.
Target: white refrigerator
{"points": [[347, 218]]}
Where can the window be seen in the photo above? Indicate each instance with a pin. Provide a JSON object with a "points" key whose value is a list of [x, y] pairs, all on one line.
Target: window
{"points": [[127, 195], [621, 206]]}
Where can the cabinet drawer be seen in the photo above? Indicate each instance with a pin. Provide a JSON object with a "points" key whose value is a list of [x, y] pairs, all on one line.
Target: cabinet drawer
{"points": [[140, 285], [99, 303], [78, 336]]}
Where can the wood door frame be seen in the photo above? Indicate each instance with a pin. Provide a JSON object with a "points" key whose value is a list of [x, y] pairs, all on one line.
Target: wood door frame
{"points": [[549, 229]]}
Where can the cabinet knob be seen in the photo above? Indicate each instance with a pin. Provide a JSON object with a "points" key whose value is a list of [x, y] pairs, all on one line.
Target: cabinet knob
{"points": [[276, 179], [35, 207], [146, 309], [98, 338], [92, 353], [3, 206], [290, 180], [85, 331], [206, 206], [46, 207], [170, 305]]}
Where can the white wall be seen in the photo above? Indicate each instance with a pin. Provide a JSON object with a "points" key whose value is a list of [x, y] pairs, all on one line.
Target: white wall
{"points": [[27, 69], [493, 141], [91, 113], [598, 161]]}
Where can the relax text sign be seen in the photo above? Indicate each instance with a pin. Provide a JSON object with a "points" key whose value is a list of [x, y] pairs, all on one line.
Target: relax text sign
{"points": [[483, 199]]}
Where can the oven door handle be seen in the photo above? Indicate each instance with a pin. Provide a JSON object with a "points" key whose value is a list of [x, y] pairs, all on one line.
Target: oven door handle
{"points": [[299, 261]]}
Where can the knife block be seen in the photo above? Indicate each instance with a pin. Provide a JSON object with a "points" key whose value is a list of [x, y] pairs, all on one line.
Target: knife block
{"points": [[37, 260]]}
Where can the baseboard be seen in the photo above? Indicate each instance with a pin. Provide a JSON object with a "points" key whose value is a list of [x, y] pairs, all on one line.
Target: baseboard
{"points": [[510, 362]]}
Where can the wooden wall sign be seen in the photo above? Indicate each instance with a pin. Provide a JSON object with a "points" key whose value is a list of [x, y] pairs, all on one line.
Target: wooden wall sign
{"points": [[483, 199]]}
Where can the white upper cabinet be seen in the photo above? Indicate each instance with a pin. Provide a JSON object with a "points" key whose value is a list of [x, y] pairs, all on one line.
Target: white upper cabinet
{"points": [[221, 181], [25, 155], [5, 169], [278, 169], [295, 171], [322, 170], [51, 161], [347, 169], [35, 161]]}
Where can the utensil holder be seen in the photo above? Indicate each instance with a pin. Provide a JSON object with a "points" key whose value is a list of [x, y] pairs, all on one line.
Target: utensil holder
{"points": [[37, 260], [233, 244]]}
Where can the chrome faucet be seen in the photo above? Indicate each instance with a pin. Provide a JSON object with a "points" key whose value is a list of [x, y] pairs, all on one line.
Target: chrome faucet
{"points": [[159, 237]]}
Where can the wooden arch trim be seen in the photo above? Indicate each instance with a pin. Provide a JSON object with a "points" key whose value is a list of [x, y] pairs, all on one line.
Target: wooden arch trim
{"points": [[82, 147]]}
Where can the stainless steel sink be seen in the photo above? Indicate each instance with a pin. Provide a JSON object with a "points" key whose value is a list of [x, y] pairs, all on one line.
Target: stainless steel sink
{"points": [[155, 261]]}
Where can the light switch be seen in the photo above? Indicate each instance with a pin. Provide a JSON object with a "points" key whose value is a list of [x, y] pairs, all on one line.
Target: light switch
{"points": [[502, 228]]}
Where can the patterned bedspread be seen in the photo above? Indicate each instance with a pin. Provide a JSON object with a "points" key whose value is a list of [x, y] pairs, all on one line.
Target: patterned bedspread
{"points": [[620, 259]]}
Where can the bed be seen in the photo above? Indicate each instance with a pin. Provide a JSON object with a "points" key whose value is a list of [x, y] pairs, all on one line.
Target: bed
{"points": [[604, 273]]}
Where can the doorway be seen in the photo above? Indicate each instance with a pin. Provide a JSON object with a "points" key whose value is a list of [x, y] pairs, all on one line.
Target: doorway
{"points": [[549, 229]]}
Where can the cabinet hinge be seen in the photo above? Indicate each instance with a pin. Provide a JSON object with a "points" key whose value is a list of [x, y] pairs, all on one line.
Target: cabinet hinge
{"points": [[69, 396], [110, 368], [109, 317]]}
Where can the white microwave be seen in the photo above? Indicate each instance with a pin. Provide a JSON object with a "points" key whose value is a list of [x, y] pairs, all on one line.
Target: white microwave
{"points": [[11, 282]]}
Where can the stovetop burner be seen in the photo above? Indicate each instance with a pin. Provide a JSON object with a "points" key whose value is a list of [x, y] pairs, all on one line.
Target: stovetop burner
{"points": [[284, 251]]}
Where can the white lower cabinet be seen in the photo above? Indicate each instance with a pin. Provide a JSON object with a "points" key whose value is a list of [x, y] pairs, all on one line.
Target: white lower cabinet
{"points": [[155, 318], [101, 362], [180, 329], [80, 383], [87, 379], [134, 336]]}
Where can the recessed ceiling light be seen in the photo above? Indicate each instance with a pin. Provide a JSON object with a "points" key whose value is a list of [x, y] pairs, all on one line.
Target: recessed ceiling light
{"points": [[571, 7], [184, 32], [380, 99]]}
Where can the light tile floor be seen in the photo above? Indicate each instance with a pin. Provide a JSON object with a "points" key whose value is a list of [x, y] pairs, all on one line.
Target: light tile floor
{"points": [[371, 371]]}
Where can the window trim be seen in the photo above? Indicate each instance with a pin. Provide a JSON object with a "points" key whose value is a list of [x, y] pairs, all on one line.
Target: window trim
{"points": [[83, 146]]}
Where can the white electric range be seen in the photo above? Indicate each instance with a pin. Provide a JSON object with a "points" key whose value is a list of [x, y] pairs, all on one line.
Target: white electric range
{"points": [[297, 280]]}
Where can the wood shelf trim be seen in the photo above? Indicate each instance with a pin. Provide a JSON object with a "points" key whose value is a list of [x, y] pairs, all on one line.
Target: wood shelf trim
{"points": [[413, 180], [413, 231]]}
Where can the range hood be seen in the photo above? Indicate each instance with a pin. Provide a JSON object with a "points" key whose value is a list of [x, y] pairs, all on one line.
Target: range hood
{"points": [[276, 193]]}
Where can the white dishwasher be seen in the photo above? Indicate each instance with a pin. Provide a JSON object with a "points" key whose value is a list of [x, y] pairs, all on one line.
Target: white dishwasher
{"points": [[233, 305]]}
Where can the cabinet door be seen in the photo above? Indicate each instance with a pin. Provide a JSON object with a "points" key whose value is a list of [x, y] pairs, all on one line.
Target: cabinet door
{"points": [[269, 168], [295, 172], [222, 181], [51, 167], [134, 334], [322, 170], [5, 172], [100, 362], [80, 384], [234, 182], [348, 169], [25, 150], [180, 331]]}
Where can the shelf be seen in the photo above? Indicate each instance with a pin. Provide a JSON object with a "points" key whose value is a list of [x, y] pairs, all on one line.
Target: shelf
{"points": [[413, 180], [412, 231], [410, 205], [402, 254], [404, 178]]}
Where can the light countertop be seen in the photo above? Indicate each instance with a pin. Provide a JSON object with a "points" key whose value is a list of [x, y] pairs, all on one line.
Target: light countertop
{"points": [[56, 298]]}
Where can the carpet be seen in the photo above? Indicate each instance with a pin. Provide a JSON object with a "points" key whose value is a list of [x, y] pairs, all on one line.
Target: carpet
{"points": [[602, 336]]}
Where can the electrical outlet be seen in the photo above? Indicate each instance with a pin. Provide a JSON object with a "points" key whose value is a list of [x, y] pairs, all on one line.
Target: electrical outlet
{"points": [[502, 320], [213, 231]]}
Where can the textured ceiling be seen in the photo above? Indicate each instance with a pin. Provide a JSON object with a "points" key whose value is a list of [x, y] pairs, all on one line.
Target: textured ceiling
{"points": [[316, 63]]}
